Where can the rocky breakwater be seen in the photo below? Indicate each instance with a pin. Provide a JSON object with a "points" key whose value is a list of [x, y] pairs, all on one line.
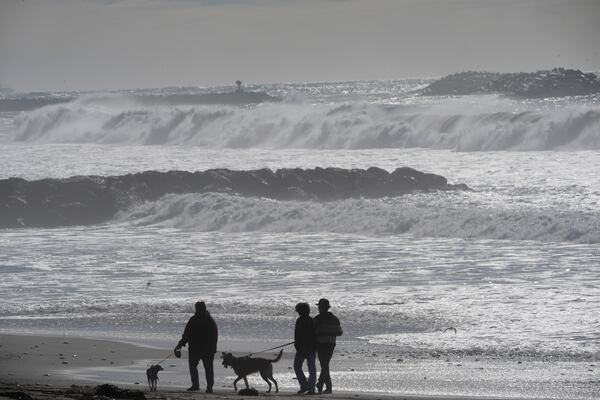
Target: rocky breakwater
{"points": [[224, 98], [85, 200], [32, 101], [558, 82]]}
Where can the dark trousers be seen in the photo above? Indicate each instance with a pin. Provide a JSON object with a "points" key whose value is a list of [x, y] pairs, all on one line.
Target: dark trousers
{"points": [[309, 356], [325, 352], [207, 362]]}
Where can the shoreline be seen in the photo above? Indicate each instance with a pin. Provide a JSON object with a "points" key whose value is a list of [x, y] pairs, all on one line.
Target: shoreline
{"points": [[61, 367], [43, 392], [53, 365]]}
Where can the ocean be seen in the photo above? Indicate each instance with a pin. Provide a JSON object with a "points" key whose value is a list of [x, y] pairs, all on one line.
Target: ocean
{"points": [[511, 264]]}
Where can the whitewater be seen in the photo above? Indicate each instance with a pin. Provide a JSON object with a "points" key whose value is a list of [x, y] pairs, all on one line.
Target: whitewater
{"points": [[512, 263]]}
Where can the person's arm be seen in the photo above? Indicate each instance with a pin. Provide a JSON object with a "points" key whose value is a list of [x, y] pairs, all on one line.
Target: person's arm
{"points": [[216, 334], [297, 335], [339, 331], [185, 338]]}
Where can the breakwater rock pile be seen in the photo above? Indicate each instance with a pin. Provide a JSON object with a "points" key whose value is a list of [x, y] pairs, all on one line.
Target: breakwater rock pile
{"points": [[558, 82], [29, 102], [225, 98], [85, 200]]}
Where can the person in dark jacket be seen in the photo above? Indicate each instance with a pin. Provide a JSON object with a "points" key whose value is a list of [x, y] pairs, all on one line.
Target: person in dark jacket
{"points": [[327, 328], [305, 342], [201, 333]]}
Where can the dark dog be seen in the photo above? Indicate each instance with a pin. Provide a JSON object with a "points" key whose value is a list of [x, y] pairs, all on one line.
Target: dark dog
{"points": [[152, 374], [244, 366]]}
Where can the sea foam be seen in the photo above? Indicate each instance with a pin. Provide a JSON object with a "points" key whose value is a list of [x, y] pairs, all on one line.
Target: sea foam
{"points": [[289, 125], [449, 215]]}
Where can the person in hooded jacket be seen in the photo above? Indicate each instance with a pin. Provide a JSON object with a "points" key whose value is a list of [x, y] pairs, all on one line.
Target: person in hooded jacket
{"points": [[201, 334], [327, 328], [305, 342]]}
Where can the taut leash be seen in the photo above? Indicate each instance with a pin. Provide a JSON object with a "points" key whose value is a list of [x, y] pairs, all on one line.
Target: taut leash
{"points": [[272, 348], [165, 359], [249, 354]]}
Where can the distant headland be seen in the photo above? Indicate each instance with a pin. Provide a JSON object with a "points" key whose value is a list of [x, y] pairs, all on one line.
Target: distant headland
{"points": [[557, 82]]}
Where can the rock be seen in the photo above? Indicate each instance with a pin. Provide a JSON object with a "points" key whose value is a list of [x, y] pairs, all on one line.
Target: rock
{"points": [[234, 98], [28, 103], [85, 200], [248, 392], [16, 395], [114, 392], [555, 83]]}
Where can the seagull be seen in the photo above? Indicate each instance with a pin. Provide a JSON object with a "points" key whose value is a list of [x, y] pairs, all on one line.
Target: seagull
{"points": [[450, 329]]}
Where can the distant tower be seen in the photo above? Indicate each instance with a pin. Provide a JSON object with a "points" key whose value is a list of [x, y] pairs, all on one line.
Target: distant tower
{"points": [[239, 86]]}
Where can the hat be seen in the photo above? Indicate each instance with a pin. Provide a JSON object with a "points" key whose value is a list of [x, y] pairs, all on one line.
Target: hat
{"points": [[323, 303]]}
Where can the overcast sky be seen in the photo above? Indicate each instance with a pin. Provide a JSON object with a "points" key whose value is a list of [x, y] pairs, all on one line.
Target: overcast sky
{"points": [[108, 44]]}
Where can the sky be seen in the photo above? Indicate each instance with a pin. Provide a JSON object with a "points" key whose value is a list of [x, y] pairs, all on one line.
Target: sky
{"points": [[112, 44]]}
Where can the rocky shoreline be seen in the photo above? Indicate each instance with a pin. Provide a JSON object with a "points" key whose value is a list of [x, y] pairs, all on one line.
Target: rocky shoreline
{"points": [[29, 103], [85, 200], [558, 82]]}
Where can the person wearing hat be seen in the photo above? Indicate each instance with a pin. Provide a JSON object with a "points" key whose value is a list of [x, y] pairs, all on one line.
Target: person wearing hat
{"points": [[201, 333], [327, 328]]}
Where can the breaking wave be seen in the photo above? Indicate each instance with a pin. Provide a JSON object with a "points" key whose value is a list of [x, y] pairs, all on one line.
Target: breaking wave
{"points": [[412, 214], [312, 126]]}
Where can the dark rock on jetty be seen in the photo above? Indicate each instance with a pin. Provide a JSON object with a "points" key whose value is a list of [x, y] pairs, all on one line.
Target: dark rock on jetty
{"points": [[556, 83], [32, 102], [232, 98], [87, 200]]}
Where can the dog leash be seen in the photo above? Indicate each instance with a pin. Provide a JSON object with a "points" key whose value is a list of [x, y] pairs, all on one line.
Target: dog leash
{"points": [[273, 348], [249, 354], [165, 359]]}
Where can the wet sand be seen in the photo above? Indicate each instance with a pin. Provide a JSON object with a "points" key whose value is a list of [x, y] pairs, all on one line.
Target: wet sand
{"points": [[67, 368], [37, 367]]}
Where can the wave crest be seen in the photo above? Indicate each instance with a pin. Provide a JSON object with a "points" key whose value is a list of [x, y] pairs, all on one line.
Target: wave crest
{"points": [[415, 214], [299, 125]]}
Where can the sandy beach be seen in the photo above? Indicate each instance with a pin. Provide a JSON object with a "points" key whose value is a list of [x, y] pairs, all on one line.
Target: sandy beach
{"points": [[37, 367], [64, 367], [71, 368]]}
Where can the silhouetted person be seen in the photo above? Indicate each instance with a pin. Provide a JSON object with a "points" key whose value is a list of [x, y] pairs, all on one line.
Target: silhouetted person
{"points": [[327, 328], [305, 342], [201, 334]]}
